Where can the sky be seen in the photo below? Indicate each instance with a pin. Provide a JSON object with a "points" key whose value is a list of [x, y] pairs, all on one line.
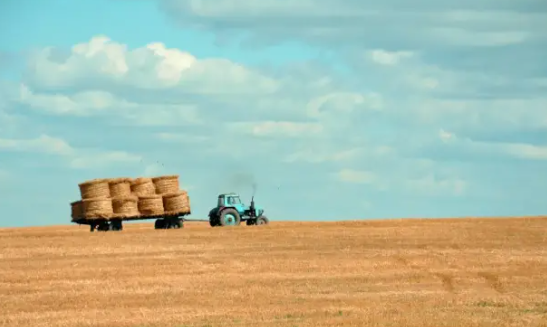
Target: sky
{"points": [[335, 109]]}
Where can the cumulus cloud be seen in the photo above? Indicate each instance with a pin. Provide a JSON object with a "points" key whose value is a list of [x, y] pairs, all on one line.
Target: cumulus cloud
{"points": [[484, 56], [374, 129], [75, 158], [155, 85], [154, 66], [97, 76]]}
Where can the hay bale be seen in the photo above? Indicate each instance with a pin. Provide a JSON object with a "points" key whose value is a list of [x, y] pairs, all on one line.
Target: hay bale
{"points": [[98, 208], [166, 184], [120, 187], [175, 202], [125, 207], [77, 210], [143, 186], [186, 209], [150, 205], [95, 188]]}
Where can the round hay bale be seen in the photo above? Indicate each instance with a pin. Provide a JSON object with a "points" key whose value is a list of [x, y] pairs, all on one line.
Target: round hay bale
{"points": [[143, 186], [150, 205], [174, 202], [77, 210], [120, 187], [125, 207], [186, 208], [95, 188], [98, 208], [166, 184]]}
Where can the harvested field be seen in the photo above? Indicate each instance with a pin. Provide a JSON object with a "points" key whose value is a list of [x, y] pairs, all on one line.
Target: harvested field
{"points": [[412, 273]]}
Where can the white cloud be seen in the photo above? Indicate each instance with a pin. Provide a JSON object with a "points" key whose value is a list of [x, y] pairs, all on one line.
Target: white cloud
{"points": [[277, 129], [151, 67], [342, 103], [427, 58], [445, 136], [101, 159], [75, 158], [182, 137], [82, 104], [320, 154], [389, 58], [509, 149], [334, 119], [173, 87], [525, 151], [433, 185], [416, 181], [105, 104], [42, 144], [393, 23], [356, 176]]}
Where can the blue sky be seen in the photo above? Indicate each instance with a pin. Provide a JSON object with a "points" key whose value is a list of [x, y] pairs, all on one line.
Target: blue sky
{"points": [[337, 110]]}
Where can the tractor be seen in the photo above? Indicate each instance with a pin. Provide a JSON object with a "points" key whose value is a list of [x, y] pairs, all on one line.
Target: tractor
{"points": [[230, 211]]}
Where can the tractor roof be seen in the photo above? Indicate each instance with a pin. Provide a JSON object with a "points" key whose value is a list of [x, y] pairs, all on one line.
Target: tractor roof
{"points": [[228, 194]]}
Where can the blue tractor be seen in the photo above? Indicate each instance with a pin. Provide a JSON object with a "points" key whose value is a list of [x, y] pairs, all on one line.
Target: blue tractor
{"points": [[230, 211]]}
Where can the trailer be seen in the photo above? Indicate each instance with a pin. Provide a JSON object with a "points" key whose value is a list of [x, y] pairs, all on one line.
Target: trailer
{"points": [[172, 220]]}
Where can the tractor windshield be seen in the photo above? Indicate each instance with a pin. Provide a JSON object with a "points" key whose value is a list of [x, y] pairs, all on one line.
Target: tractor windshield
{"points": [[234, 200]]}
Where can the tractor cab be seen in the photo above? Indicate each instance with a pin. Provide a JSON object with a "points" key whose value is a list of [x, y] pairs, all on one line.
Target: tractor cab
{"points": [[231, 200]]}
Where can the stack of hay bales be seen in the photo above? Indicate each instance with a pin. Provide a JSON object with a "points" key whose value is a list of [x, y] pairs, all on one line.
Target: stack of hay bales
{"points": [[124, 202], [125, 198], [96, 202], [174, 200]]}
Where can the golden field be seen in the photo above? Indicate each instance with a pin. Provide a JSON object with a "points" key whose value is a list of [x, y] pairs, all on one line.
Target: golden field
{"points": [[416, 273]]}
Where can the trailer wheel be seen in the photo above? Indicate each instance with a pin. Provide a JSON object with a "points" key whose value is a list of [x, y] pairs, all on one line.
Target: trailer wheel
{"points": [[159, 224], [179, 223], [117, 225], [104, 226]]}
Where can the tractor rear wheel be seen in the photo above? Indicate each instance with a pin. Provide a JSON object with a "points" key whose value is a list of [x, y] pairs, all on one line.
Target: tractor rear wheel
{"points": [[262, 220], [229, 217], [213, 221]]}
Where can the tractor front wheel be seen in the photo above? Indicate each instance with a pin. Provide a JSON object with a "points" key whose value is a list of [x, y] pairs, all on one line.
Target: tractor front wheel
{"points": [[229, 217], [262, 220]]}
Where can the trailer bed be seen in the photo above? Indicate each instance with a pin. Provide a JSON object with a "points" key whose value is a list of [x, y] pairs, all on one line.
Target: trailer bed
{"points": [[95, 220]]}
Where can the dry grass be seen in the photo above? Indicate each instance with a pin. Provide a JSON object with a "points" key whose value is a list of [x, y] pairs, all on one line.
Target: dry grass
{"points": [[416, 273]]}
